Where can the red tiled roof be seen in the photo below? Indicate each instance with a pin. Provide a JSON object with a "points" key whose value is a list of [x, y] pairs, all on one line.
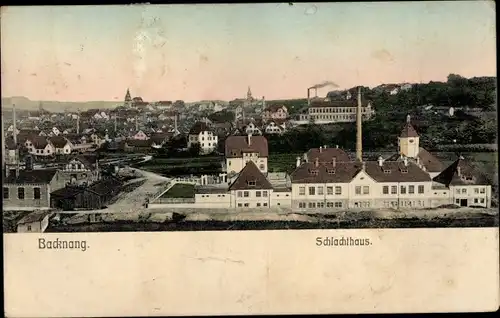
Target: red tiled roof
{"points": [[198, 127], [408, 131], [250, 178], [326, 154], [236, 145]]}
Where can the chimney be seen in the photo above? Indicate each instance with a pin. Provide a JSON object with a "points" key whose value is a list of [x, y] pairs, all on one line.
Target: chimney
{"points": [[363, 165], [359, 142], [136, 124], [249, 139], [3, 144], [316, 162], [380, 161], [263, 102], [115, 125], [306, 159], [175, 123], [14, 124], [298, 162], [324, 146], [334, 162], [78, 123], [308, 97], [459, 171], [320, 149], [405, 160]]}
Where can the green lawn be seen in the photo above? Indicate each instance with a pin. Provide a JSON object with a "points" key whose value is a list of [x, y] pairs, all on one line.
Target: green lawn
{"points": [[180, 191]]}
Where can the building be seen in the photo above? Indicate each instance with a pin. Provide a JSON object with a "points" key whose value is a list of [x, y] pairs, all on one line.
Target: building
{"points": [[326, 112], [140, 135], [35, 222], [40, 146], [327, 178], [275, 112], [203, 135], [93, 197], [78, 170], [275, 126], [61, 145], [241, 149], [29, 189]]}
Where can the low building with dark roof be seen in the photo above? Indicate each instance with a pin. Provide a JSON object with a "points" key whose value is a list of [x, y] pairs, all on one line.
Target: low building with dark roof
{"points": [[35, 222], [94, 197]]}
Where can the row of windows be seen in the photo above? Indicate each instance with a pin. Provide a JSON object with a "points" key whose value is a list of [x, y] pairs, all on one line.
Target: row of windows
{"points": [[320, 190], [246, 194], [329, 110], [476, 200], [207, 195], [410, 188], [319, 205], [464, 190], [21, 194], [247, 205], [404, 203]]}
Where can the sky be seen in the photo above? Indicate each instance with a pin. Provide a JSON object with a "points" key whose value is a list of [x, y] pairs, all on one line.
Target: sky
{"points": [[200, 52]]}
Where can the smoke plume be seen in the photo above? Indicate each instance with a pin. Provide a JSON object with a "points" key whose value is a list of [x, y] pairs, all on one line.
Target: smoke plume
{"points": [[324, 84]]}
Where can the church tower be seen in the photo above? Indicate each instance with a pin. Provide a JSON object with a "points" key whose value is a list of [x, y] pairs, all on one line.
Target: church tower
{"points": [[249, 95], [128, 99], [409, 140]]}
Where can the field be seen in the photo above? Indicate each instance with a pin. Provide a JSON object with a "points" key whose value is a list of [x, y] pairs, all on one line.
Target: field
{"points": [[180, 191]]}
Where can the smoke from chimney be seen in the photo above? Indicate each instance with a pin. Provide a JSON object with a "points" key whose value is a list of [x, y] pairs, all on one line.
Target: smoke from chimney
{"points": [[324, 84]]}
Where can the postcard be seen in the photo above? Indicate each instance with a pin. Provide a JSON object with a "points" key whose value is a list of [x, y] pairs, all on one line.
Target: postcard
{"points": [[265, 158]]}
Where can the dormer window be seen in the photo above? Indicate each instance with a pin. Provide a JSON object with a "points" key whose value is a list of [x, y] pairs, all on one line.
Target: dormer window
{"points": [[331, 171], [411, 140], [313, 172], [251, 183], [404, 170], [387, 171]]}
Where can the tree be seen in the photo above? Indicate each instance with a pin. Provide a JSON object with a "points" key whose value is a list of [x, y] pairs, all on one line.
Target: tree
{"points": [[194, 150], [178, 104]]}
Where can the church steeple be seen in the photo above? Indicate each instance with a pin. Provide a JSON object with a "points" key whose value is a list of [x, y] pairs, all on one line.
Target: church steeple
{"points": [[249, 94], [409, 140], [128, 99]]}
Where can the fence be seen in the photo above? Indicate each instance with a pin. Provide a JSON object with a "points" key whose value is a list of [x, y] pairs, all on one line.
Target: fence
{"points": [[173, 200]]}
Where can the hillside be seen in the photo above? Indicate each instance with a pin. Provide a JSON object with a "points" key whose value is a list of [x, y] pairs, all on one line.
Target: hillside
{"points": [[24, 103]]}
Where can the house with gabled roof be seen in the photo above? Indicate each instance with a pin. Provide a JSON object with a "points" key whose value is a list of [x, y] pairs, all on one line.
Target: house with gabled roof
{"points": [[40, 146], [241, 149], [201, 133], [274, 111], [61, 145]]}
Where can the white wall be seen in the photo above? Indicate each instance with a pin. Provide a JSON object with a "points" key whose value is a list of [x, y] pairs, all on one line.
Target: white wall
{"points": [[237, 164], [252, 199]]}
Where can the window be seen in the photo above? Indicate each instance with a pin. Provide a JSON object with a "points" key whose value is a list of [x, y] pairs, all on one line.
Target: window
{"points": [[29, 228], [36, 193], [5, 192], [265, 204], [246, 194], [312, 205], [258, 204], [302, 205], [482, 201], [457, 201], [302, 190], [20, 193], [312, 190], [329, 190], [476, 200], [262, 167], [338, 190], [420, 189], [366, 190], [246, 205], [483, 190], [464, 191], [385, 190], [321, 204], [358, 190], [411, 189], [320, 190], [476, 190], [457, 191], [258, 194], [264, 193], [240, 194], [329, 204], [338, 204], [403, 190]]}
